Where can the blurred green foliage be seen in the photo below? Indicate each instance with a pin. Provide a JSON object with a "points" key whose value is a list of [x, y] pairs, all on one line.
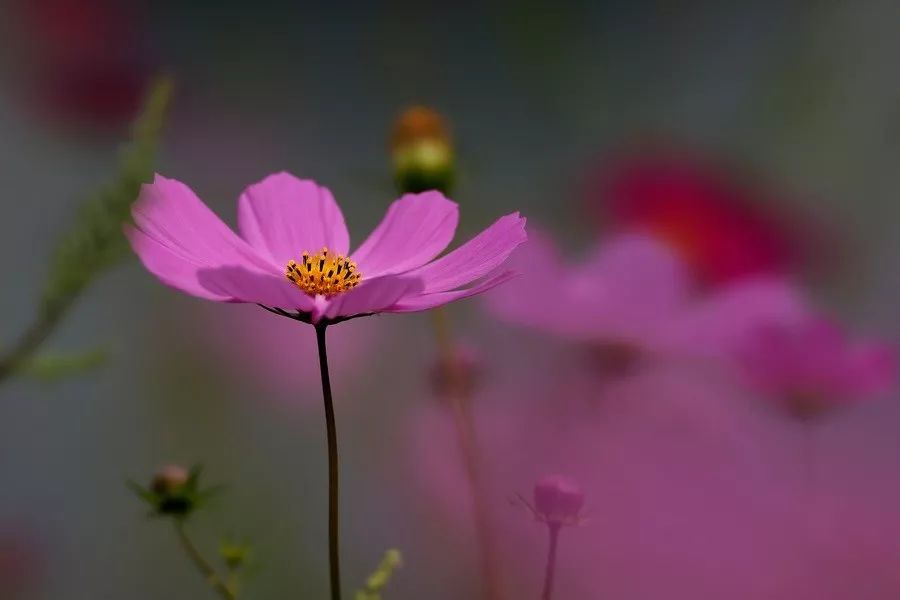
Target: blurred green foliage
{"points": [[95, 241]]}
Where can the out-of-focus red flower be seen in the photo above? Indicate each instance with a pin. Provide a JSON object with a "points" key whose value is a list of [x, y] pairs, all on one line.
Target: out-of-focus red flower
{"points": [[21, 560], [85, 61], [726, 226]]}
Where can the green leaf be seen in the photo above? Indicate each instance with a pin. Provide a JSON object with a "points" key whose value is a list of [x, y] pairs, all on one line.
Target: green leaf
{"points": [[142, 493], [95, 240], [53, 367]]}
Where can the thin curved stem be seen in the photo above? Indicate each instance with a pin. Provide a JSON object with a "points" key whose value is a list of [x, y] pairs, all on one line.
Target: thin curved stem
{"points": [[334, 559], [550, 570], [202, 565], [460, 405]]}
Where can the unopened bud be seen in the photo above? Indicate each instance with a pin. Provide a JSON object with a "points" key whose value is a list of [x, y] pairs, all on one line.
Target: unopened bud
{"points": [[457, 373], [558, 500], [170, 479], [422, 152], [174, 492], [419, 123]]}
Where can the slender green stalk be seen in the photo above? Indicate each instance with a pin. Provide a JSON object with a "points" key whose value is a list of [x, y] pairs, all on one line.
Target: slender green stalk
{"points": [[334, 558], [23, 349], [460, 404], [209, 573], [550, 570]]}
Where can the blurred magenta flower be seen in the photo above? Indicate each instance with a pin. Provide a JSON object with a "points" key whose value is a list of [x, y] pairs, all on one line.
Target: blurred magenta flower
{"points": [[283, 220], [633, 295], [726, 227], [622, 293], [693, 490], [812, 365]]}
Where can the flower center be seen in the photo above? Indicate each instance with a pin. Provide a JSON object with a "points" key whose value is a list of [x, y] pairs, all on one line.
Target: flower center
{"points": [[323, 273]]}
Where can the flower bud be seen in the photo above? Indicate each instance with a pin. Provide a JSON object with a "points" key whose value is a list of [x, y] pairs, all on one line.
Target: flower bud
{"points": [[170, 479], [422, 152], [456, 374], [174, 492], [558, 500]]}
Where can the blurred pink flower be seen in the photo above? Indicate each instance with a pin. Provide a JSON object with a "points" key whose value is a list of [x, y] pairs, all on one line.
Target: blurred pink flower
{"points": [[811, 365], [633, 294], [691, 492], [623, 292], [727, 227], [283, 218]]}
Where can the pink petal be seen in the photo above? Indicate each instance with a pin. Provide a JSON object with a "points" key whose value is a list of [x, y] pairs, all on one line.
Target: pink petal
{"points": [[627, 288], [525, 298], [169, 267], [723, 322], [873, 367], [416, 228], [476, 258], [431, 300], [169, 212], [373, 295], [630, 276], [254, 286], [281, 216]]}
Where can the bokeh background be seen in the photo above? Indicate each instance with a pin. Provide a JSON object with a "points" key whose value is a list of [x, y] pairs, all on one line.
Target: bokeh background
{"points": [[704, 496]]}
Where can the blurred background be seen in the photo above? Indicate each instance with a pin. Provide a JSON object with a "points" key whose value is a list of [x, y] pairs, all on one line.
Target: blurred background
{"points": [[696, 487]]}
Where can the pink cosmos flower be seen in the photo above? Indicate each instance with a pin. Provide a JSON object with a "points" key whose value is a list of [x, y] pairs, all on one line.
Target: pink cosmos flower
{"points": [[812, 365], [293, 251]]}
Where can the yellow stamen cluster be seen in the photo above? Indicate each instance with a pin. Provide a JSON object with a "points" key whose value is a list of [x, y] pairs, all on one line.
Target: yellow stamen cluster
{"points": [[323, 273]]}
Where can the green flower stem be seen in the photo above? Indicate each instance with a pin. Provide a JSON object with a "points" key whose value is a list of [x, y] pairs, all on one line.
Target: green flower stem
{"points": [[209, 573], [28, 343], [460, 405], [550, 571], [334, 557]]}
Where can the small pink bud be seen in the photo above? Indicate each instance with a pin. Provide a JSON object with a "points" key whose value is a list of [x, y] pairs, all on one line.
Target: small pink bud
{"points": [[558, 500], [170, 479], [457, 374]]}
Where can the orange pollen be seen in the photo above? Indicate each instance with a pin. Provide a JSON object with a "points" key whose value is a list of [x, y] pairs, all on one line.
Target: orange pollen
{"points": [[323, 273]]}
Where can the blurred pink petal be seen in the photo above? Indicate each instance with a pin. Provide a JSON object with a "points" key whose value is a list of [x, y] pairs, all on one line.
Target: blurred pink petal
{"points": [[624, 292], [814, 362], [716, 324]]}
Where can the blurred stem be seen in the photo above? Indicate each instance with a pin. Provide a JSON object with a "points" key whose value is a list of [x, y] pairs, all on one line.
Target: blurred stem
{"points": [[29, 342], [460, 405], [550, 571], [333, 474], [209, 573]]}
